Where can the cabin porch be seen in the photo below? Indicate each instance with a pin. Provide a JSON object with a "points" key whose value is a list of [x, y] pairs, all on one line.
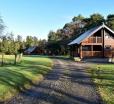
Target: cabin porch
{"points": [[88, 51], [91, 51]]}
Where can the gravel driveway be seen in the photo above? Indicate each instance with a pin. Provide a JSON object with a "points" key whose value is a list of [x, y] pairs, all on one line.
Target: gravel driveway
{"points": [[68, 83]]}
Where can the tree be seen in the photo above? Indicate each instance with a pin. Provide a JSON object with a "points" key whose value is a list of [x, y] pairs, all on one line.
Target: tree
{"points": [[21, 43], [96, 19], [29, 41], [4, 48], [110, 21], [4, 44], [78, 18], [42, 43], [19, 38], [52, 36], [16, 49], [35, 41], [11, 43], [1, 30]]}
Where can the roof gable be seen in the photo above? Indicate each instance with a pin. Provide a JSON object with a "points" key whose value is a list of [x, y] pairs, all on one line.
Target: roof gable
{"points": [[30, 49], [89, 33]]}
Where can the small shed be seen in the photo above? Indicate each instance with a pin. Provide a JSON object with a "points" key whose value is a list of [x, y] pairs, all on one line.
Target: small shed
{"points": [[34, 50]]}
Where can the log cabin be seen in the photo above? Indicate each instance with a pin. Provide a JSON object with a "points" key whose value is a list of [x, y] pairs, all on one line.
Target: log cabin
{"points": [[96, 42]]}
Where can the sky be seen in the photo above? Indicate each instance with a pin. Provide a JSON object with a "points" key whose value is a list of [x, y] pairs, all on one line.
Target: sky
{"points": [[38, 17]]}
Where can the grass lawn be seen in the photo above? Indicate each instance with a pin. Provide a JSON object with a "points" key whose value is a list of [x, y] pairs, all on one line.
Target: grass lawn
{"points": [[103, 76], [15, 78]]}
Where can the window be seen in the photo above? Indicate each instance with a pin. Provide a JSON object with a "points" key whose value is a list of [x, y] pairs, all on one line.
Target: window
{"points": [[86, 48], [97, 48]]}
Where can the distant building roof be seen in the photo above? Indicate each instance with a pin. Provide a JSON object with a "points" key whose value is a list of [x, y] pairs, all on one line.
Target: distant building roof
{"points": [[30, 49], [89, 33]]}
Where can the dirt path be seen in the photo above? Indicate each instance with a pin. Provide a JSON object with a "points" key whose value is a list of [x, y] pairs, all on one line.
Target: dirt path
{"points": [[68, 83]]}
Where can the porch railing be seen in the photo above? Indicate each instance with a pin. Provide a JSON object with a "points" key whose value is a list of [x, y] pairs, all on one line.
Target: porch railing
{"points": [[92, 53], [94, 40]]}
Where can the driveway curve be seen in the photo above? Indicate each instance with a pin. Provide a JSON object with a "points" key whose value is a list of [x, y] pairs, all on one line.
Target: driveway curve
{"points": [[68, 83]]}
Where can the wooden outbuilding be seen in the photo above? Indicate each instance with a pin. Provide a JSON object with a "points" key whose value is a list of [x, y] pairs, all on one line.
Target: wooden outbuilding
{"points": [[34, 50]]}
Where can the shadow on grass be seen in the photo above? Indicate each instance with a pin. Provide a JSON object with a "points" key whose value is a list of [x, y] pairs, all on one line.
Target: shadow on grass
{"points": [[14, 79], [104, 76], [24, 73]]}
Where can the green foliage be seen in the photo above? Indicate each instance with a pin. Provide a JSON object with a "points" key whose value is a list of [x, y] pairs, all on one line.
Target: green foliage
{"points": [[33, 41], [53, 48], [96, 19], [78, 18], [4, 44], [52, 36], [8, 45], [42, 43], [10, 39], [19, 38], [110, 21], [29, 41]]}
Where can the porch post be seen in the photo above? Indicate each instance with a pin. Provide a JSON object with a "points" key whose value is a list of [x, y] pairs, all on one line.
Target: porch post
{"points": [[70, 50], [102, 33], [78, 51], [92, 49], [81, 54]]}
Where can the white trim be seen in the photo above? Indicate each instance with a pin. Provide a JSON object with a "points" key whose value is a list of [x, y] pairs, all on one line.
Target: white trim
{"points": [[109, 29]]}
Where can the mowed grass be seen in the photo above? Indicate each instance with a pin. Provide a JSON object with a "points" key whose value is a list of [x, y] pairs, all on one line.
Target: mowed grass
{"points": [[8, 58], [16, 78], [103, 76]]}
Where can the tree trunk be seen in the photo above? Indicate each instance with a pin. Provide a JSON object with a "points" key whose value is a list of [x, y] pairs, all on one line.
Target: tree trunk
{"points": [[2, 63], [15, 62], [20, 57]]}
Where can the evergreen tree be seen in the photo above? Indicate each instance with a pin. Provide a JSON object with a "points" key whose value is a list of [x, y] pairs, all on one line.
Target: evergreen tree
{"points": [[110, 21]]}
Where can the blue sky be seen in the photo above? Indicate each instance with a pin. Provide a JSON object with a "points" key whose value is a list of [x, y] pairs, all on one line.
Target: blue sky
{"points": [[38, 17]]}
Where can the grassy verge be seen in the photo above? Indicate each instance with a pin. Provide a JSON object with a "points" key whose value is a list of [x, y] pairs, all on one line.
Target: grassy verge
{"points": [[64, 57], [15, 78], [103, 76], [8, 58]]}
